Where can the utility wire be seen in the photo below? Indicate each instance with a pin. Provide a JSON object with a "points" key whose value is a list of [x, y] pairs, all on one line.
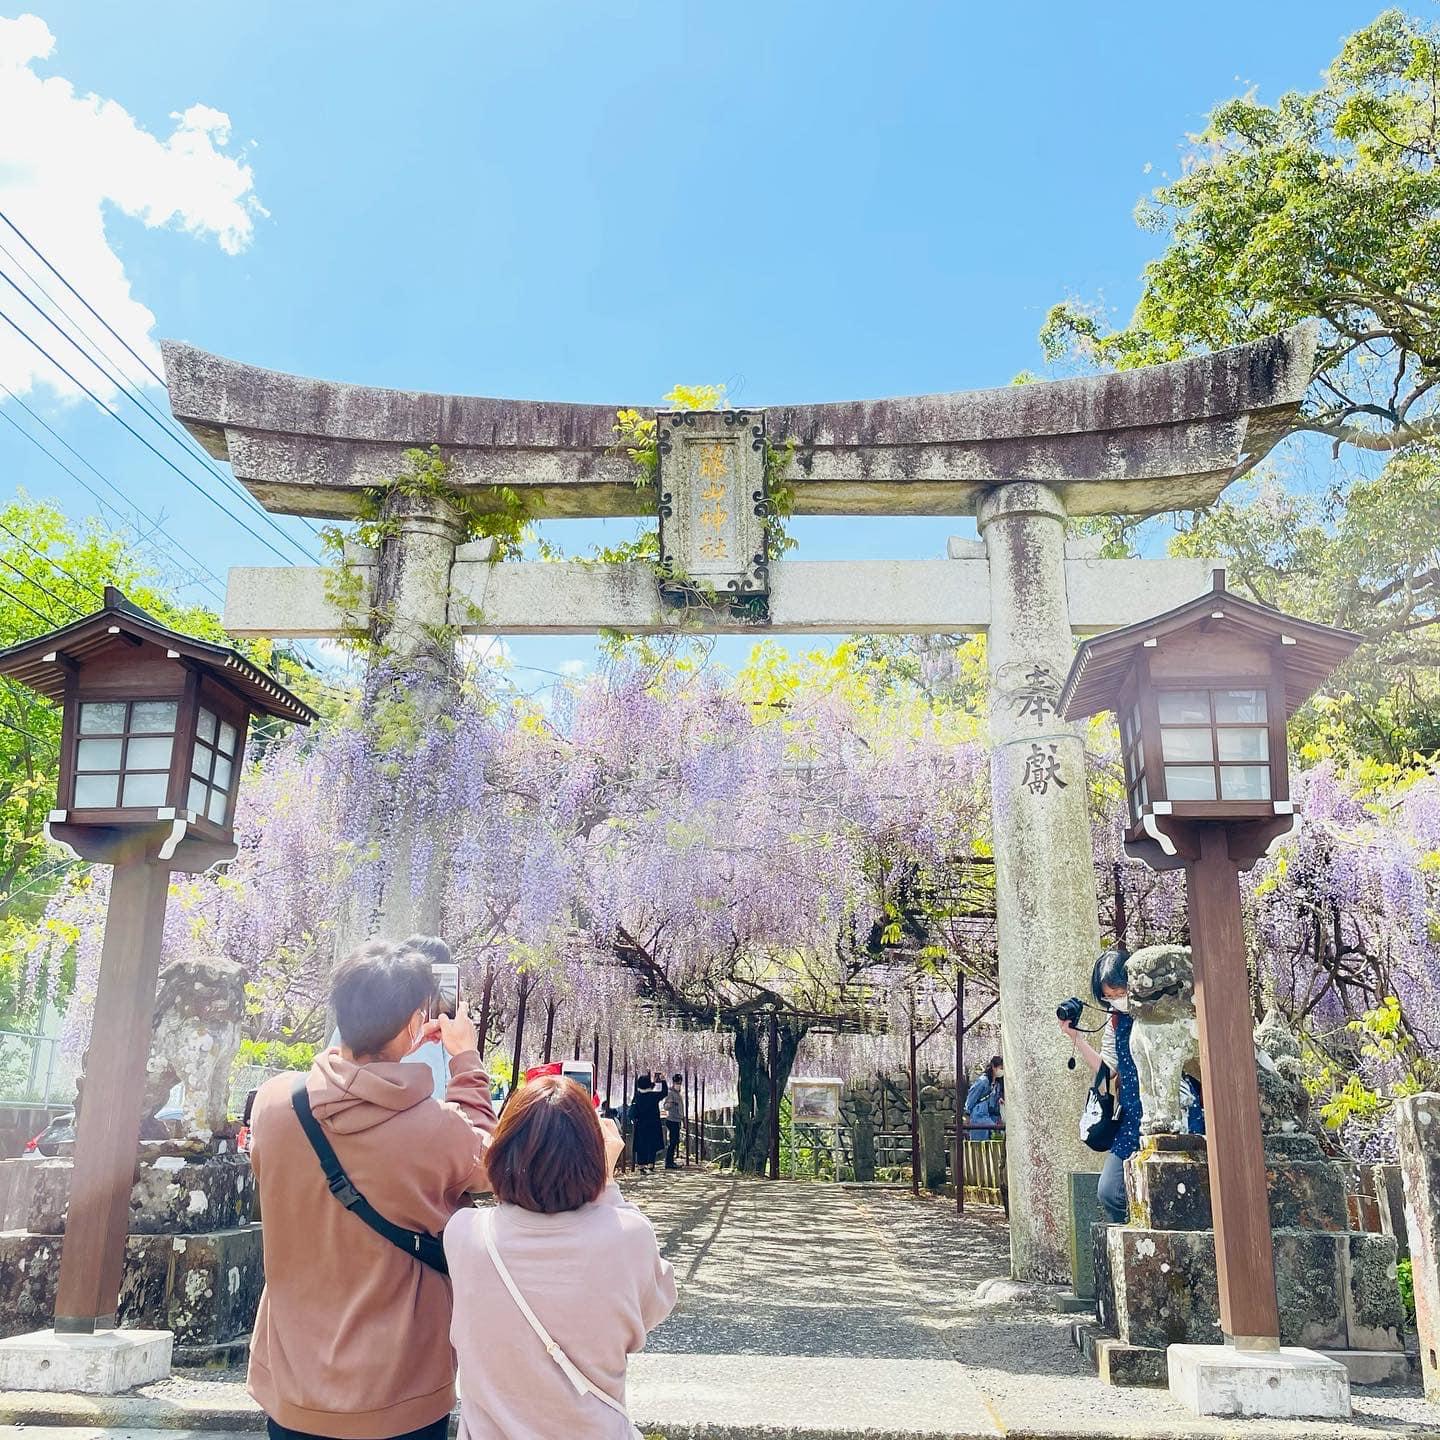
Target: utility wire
{"points": [[120, 419], [59, 599], [156, 526], [151, 413], [45, 620], [52, 563], [129, 349]]}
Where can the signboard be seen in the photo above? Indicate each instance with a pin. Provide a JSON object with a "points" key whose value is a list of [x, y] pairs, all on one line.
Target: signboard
{"points": [[815, 1100], [712, 500]]}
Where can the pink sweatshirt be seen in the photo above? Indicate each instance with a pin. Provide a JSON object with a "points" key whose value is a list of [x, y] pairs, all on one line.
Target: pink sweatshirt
{"points": [[594, 1278]]}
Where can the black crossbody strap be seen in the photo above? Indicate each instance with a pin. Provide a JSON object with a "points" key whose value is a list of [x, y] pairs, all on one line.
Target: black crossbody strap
{"points": [[428, 1249]]}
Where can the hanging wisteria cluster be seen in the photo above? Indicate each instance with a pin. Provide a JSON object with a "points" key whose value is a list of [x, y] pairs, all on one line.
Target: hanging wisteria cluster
{"points": [[661, 847]]}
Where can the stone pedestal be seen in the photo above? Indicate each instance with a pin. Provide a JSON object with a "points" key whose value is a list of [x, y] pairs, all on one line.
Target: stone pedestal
{"points": [[935, 1139], [1286, 1384], [863, 1137], [1417, 1137], [1156, 1281], [193, 1261], [1084, 1216], [104, 1363]]}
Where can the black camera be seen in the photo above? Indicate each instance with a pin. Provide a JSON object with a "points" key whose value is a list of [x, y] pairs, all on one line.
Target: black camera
{"points": [[1068, 1012]]}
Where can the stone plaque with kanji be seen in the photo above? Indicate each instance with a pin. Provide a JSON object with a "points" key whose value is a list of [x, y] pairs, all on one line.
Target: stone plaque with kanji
{"points": [[712, 499]]}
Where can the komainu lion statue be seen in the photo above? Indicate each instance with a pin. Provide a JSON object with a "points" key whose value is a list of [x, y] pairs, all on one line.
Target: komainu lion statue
{"points": [[1164, 1041], [199, 1007], [1165, 1044]]}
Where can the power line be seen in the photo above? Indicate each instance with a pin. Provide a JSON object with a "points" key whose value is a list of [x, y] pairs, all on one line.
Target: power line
{"points": [[156, 418], [120, 419], [45, 620], [130, 349], [52, 563], [156, 526], [59, 599]]}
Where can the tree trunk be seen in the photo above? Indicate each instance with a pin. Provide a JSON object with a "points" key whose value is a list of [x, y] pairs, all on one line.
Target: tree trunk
{"points": [[752, 1107]]}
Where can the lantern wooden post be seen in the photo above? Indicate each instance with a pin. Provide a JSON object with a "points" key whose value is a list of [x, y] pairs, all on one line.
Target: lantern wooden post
{"points": [[774, 1097], [108, 1127], [1239, 1197]]}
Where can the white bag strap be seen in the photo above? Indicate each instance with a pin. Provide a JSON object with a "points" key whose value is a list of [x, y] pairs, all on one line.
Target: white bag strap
{"points": [[572, 1371]]}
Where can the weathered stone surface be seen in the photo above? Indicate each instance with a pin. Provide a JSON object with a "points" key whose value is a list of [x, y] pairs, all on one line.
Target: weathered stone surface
{"points": [[862, 1134], [202, 1288], [1417, 1138], [935, 1138], [101, 1364], [1374, 1312], [1170, 1189], [1389, 1191], [1136, 441], [1335, 1291], [199, 1004], [1289, 1384], [1084, 1213], [1044, 884], [171, 1195], [1165, 1038]]}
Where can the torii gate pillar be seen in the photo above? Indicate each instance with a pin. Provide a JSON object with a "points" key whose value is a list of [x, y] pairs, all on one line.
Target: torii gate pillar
{"points": [[1044, 884]]}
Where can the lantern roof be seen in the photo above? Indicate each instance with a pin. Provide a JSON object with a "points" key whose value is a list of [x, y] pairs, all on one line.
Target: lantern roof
{"points": [[34, 662], [1312, 651]]}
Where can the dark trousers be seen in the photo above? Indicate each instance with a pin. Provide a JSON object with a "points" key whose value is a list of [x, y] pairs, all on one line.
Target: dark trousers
{"points": [[672, 1128], [437, 1431]]}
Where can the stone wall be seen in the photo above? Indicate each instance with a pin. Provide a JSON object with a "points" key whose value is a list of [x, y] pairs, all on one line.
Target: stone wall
{"points": [[896, 1092]]}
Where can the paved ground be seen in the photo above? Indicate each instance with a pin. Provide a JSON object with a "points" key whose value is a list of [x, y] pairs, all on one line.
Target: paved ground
{"points": [[811, 1312]]}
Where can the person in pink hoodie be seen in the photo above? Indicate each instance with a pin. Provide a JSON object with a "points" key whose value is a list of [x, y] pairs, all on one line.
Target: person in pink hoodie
{"points": [[352, 1335], [558, 1284]]}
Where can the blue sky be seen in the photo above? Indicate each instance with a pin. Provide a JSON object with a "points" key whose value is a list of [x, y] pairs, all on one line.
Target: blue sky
{"points": [[593, 201]]}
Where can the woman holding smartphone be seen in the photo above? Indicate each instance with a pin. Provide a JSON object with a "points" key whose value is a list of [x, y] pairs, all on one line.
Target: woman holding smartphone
{"points": [[558, 1284]]}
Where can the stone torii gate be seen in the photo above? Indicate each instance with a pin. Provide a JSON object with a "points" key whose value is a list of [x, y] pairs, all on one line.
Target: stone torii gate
{"points": [[1021, 459]]}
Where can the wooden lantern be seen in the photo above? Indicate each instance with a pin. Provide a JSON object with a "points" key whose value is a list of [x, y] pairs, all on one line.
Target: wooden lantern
{"points": [[1202, 693], [151, 746], [153, 736]]}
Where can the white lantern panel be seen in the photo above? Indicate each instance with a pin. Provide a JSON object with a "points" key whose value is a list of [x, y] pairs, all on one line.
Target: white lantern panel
{"points": [[202, 761], [1186, 744], [205, 726], [153, 717], [96, 791], [1240, 707], [1189, 782], [1245, 782], [195, 799], [97, 755], [150, 752], [144, 790], [104, 717], [1183, 707], [216, 812], [222, 773], [227, 738], [1243, 744]]}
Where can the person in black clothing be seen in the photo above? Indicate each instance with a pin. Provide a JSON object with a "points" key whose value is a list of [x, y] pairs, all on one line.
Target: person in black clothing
{"points": [[645, 1116]]}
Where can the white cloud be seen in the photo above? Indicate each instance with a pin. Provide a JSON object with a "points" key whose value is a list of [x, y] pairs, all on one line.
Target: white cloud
{"points": [[574, 667], [483, 650], [65, 159]]}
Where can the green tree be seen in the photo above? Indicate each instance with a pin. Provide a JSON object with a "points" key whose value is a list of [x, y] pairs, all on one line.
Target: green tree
{"points": [[1323, 206]]}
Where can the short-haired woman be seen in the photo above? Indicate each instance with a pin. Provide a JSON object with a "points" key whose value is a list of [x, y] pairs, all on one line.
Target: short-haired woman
{"points": [[580, 1258]]}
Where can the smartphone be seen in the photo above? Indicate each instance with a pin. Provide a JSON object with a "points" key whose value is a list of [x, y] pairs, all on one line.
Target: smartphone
{"points": [[446, 980], [582, 1072]]}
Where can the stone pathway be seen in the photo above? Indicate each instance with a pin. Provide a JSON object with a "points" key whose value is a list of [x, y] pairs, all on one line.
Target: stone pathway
{"points": [[814, 1312]]}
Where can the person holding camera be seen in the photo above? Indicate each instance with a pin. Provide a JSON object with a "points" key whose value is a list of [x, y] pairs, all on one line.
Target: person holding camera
{"points": [[1109, 986], [352, 1335], [985, 1102], [674, 1107], [558, 1284]]}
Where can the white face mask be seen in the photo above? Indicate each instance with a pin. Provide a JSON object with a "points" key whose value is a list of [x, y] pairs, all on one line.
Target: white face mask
{"points": [[1119, 1002]]}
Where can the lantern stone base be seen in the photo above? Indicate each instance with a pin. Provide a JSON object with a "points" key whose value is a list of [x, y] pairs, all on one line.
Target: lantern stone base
{"points": [[1288, 1384], [1156, 1283], [104, 1363], [193, 1264]]}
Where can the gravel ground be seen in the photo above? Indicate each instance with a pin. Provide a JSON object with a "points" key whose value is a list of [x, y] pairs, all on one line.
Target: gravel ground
{"points": [[815, 1274]]}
